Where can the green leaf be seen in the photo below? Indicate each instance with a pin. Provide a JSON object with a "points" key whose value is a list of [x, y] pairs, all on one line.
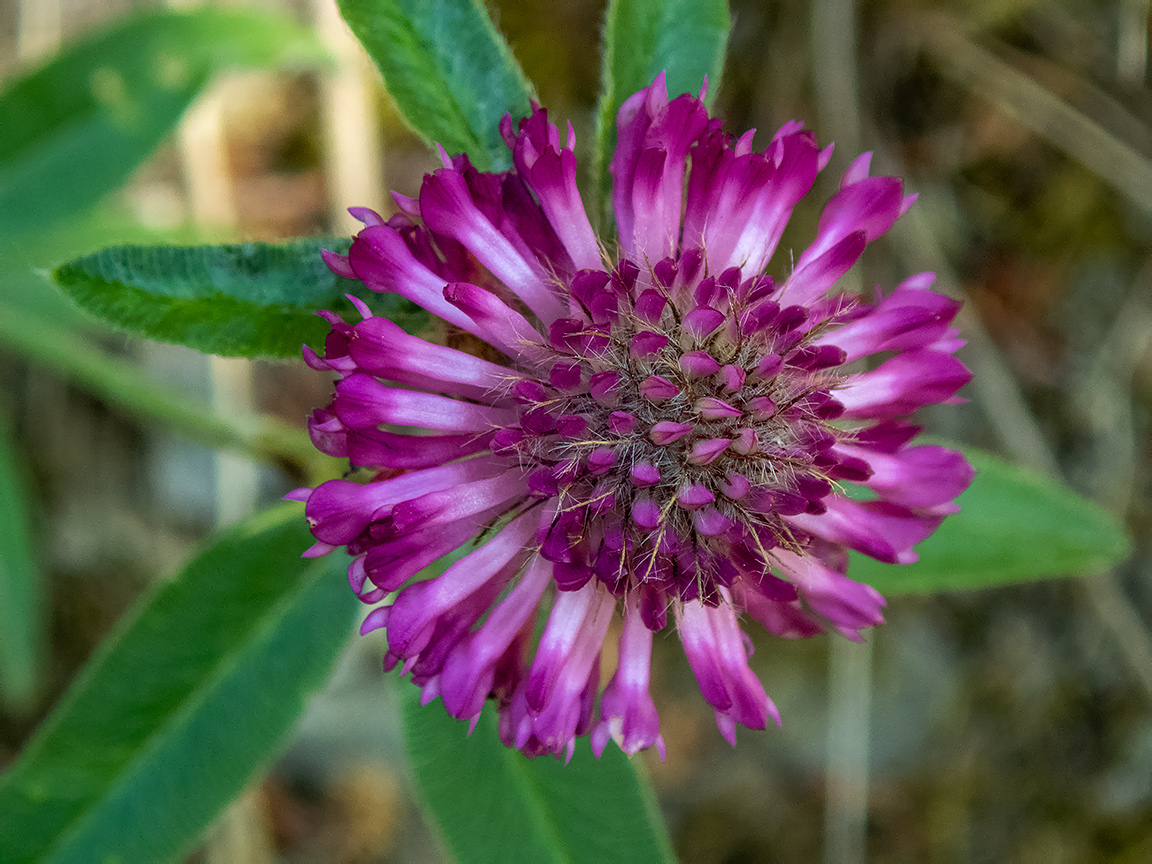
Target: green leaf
{"points": [[449, 70], [182, 705], [74, 129], [27, 258], [42, 326], [1013, 526], [493, 804], [687, 39], [246, 300], [22, 622]]}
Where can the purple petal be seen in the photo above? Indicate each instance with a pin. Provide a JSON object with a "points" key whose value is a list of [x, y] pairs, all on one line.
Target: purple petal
{"points": [[849, 605], [469, 671], [464, 499], [362, 402], [646, 343], [644, 475], [574, 673], [383, 349], [646, 512], [621, 422], [715, 650], [448, 208], [418, 605], [902, 384], [702, 322], [732, 378], [382, 261], [705, 452], [627, 712], [665, 432], [905, 320], [339, 510], [656, 388], [694, 497], [601, 460], [915, 476], [603, 386], [697, 364], [495, 322], [389, 450], [553, 179], [886, 532], [650, 306]]}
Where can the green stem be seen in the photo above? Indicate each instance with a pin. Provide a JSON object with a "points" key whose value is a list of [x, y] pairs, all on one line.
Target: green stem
{"points": [[122, 384]]}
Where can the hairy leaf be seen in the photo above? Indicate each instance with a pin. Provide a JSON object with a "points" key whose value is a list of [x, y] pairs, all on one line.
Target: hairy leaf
{"points": [[247, 300], [1013, 526], [493, 804], [448, 68]]}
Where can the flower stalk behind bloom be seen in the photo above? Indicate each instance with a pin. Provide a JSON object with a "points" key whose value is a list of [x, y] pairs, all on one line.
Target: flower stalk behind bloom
{"points": [[663, 429]]}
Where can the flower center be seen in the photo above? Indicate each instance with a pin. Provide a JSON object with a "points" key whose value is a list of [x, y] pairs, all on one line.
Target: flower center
{"points": [[695, 408]]}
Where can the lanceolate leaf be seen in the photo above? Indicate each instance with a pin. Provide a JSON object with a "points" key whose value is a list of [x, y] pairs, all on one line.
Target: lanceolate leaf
{"points": [[686, 39], [22, 623], [448, 68], [245, 300], [494, 805], [27, 257], [73, 130], [182, 705], [1013, 526]]}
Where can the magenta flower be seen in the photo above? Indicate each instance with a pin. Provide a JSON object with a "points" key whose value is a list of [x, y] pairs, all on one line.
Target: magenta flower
{"points": [[658, 426]]}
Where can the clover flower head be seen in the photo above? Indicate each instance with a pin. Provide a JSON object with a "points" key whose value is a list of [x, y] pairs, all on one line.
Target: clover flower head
{"points": [[659, 427]]}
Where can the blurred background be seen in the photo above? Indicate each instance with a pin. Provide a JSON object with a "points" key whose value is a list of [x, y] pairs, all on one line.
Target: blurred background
{"points": [[1001, 725]]}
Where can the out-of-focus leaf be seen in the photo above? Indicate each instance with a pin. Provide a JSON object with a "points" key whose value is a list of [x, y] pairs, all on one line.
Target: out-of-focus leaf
{"points": [[22, 625], [42, 325], [246, 300], [448, 68], [494, 805], [1014, 526], [73, 130], [124, 385], [686, 39], [27, 258], [182, 704]]}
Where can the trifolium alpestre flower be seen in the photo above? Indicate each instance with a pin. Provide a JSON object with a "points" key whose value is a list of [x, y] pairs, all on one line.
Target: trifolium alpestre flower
{"points": [[660, 426]]}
